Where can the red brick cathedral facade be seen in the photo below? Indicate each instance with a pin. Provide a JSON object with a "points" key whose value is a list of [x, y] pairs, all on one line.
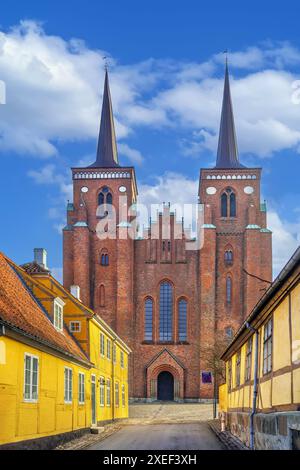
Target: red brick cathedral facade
{"points": [[169, 303]]}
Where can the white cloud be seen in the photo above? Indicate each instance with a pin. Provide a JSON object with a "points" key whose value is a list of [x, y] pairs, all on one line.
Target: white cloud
{"points": [[50, 175], [286, 239], [170, 187], [54, 87], [134, 155]]}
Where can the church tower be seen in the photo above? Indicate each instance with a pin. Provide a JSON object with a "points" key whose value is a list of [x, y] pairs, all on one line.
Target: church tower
{"points": [[169, 303], [239, 244], [98, 254]]}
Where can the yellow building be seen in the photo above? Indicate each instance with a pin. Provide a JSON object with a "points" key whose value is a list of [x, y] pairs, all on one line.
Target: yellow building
{"points": [[261, 397], [62, 369]]}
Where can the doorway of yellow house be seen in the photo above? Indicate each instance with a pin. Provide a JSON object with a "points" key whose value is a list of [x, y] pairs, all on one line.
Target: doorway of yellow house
{"points": [[93, 399]]}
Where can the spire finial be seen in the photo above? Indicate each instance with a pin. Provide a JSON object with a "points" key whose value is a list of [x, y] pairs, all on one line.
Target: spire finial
{"points": [[107, 155], [105, 59], [226, 57], [227, 156]]}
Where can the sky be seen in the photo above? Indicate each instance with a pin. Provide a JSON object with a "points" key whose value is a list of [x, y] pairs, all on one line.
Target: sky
{"points": [[166, 66]]}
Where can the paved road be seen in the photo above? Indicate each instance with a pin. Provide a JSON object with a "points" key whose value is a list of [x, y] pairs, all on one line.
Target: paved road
{"points": [[191, 436], [169, 412]]}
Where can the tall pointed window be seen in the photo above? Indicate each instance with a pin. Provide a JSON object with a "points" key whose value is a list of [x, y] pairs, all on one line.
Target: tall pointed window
{"points": [[228, 290], [148, 319], [224, 205], [166, 311], [228, 203], [104, 259], [232, 205], [228, 257], [105, 200], [182, 320]]}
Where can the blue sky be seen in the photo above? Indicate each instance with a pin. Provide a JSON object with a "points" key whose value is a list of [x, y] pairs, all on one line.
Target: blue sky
{"points": [[166, 70]]}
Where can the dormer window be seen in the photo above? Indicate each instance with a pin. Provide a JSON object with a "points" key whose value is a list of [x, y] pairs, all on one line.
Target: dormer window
{"points": [[58, 315]]}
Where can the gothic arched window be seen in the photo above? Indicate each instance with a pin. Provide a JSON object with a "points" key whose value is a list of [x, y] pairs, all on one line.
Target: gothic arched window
{"points": [[104, 196], [182, 320], [109, 198], [232, 205], [228, 257], [229, 332], [148, 319], [101, 199], [104, 259], [165, 311], [228, 290], [228, 203]]}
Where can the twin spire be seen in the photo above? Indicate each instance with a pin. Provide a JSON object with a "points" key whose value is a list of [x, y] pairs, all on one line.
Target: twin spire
{"points": [[227, 155], [107, 154]]}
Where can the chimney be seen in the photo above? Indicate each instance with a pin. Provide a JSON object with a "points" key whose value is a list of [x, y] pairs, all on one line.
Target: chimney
{"points": [[40, 257], [75, 291]]}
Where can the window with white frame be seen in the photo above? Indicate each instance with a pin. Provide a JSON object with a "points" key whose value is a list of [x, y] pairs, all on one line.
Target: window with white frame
{"points": [[102, 344], [108, 392], [58, 315], [81, 388], [267, 349], [115, 354], [102, 392], [75, 326], [108, 348], [123, 396], [248, 359], [31, 369], [229, 377], [68, 385], [238, 369], [122, 359], [117, 394]]}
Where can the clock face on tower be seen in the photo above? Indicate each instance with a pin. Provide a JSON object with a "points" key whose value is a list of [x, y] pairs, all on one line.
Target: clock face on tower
{"points": [[122, 189], [84, 189]]}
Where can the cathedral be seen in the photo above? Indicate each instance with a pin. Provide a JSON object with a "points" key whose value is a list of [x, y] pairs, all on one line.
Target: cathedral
{"points": [[169, 303]]}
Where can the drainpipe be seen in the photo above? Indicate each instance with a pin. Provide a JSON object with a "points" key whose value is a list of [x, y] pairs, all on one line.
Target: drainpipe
{"points": [[112, 391], [255, 386]]}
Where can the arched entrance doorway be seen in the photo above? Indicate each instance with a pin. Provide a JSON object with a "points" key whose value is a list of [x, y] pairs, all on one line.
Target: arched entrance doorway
{"points": [[165, 386]]}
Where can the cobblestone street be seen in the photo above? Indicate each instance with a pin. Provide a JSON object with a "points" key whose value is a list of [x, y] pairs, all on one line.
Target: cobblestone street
{"points": [[154, 413]]}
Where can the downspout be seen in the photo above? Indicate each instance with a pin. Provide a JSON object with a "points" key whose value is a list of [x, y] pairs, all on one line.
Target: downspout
{"points": [[255, 386], [113, 380]]}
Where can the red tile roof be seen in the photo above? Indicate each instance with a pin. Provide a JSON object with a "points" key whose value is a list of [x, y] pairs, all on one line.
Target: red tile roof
{"points": [[20, 309], [34, 268]]}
